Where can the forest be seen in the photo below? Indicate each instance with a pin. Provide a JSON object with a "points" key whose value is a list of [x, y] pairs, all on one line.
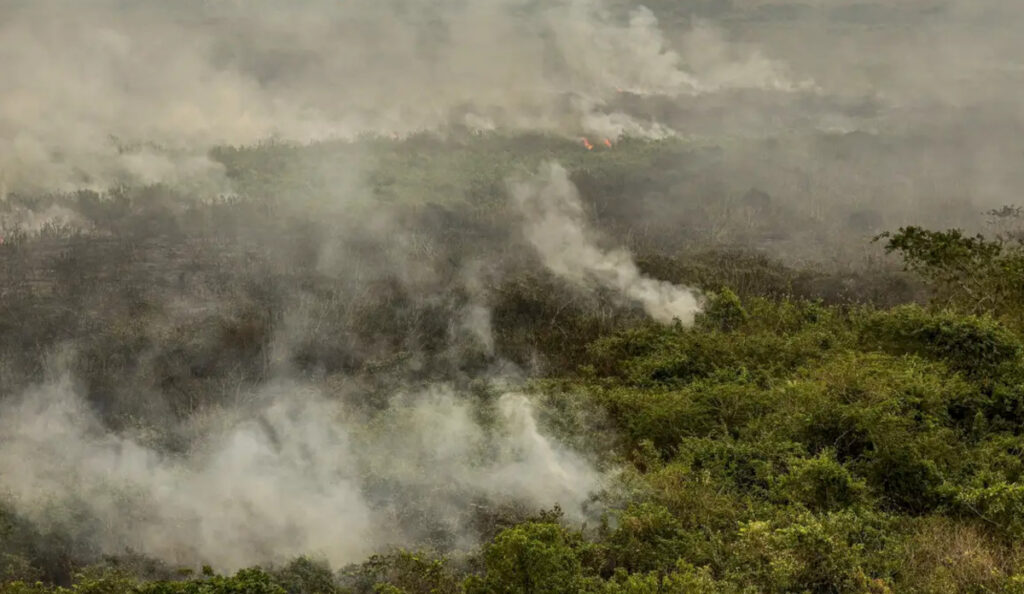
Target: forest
{"points": [[815, 429], [507, 296]]}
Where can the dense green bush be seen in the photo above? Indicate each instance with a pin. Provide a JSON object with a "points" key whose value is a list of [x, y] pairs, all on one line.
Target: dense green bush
{"points": [[821, 484], [528, 559], [975, 345]]}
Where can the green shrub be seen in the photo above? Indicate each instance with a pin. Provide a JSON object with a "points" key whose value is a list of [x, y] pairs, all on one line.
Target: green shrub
{"points": [[1000, 506], [646, 539], [701, 503], [906, 480], [741, 466], [821, 483], [683, 579], [403, 571], [306, 576], [19, 587], [977, 345], [246, 581], [809, 553], [529, 559], [661, 418], [103, 581], [723, 312], [666, 357]]}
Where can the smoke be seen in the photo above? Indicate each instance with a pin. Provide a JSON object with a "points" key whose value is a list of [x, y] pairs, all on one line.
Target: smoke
{"points": [[34, 221], [104, 93], [295, 472], [555, 225], [816, 116]]}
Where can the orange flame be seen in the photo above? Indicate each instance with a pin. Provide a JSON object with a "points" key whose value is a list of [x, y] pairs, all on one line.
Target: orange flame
{"points": [[587, 144], [607, 143]]}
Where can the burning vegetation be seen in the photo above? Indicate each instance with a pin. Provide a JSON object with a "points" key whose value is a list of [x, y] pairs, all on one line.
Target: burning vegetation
{"points": [[573, 296]]}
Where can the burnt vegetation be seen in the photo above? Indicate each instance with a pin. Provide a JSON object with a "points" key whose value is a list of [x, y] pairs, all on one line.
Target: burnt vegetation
{"points": [[825, 426]]}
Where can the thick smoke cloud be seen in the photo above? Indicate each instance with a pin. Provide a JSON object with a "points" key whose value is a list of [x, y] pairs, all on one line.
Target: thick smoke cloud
{"points": [[102, 92], [555, 225], [292, 473]]}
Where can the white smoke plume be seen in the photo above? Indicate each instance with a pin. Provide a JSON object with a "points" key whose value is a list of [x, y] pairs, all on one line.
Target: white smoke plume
{"points": [[102, 92], [554, 223], [294, 473]]}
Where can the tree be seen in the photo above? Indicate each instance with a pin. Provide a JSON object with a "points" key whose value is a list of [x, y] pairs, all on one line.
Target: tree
{"points": [[972, 273], [530, 558]]}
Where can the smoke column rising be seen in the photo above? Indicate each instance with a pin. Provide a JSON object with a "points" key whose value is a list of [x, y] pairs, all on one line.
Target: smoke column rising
{"points": [[555, 225]]}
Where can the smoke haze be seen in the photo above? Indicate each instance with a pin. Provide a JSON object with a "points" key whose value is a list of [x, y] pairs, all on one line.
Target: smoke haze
{"points": [[293, 473], [107, 92], [288, 242], [903, 111]]}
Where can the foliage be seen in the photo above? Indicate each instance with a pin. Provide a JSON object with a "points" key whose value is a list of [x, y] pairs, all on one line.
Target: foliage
{"points": [[402, 571], [812, 432], [973, 344], [306, 576], [973, 273], [821, 484], [528, 559]]}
